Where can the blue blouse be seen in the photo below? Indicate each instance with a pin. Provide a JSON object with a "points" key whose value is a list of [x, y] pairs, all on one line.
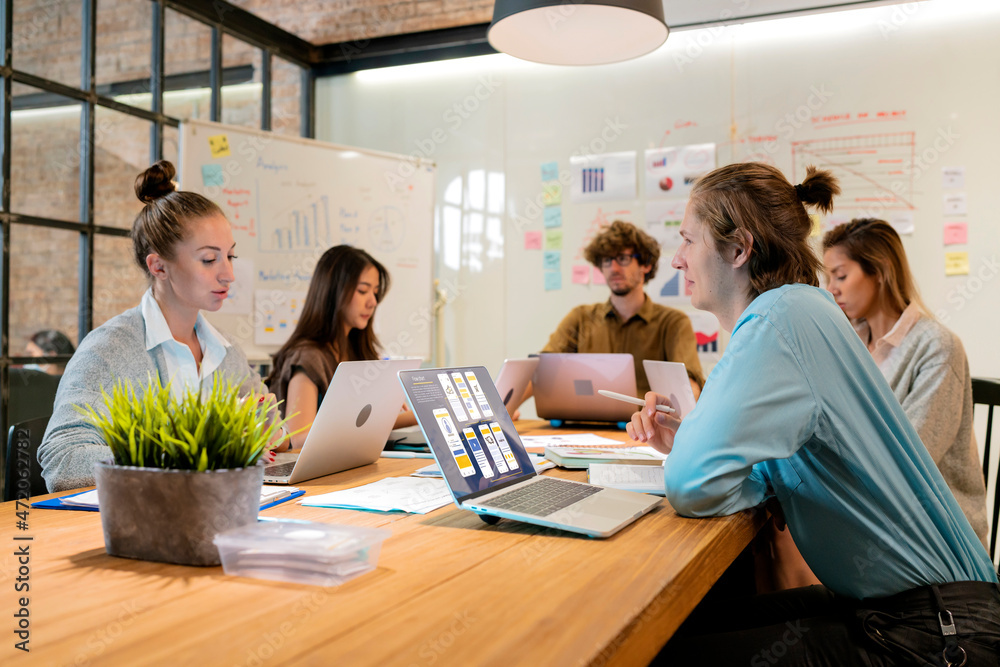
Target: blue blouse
{"points": [[797, 409]]}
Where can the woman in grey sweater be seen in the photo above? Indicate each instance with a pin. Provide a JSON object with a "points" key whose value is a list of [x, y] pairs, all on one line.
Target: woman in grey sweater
{"points": [[184, 245], [923, 361]]}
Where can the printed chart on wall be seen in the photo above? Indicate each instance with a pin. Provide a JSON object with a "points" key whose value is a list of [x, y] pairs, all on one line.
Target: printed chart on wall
{"points": [[875, 172], [290, 199]]}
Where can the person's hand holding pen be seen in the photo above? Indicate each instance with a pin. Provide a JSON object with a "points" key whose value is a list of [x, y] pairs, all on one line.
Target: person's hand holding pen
{"points": [[653, 427]]}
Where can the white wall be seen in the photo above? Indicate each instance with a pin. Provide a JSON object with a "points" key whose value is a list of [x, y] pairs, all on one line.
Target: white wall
{"points": [[490, 122]]}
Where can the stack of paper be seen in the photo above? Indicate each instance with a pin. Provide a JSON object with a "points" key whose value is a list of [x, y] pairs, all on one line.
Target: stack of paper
{"points": [[87, 499], [582, 457], [392, 494], [641, 478], [269, 494]]}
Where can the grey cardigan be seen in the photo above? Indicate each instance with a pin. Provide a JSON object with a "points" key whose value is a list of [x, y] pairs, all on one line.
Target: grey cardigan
{"points": [[115, 350], [928, 371]]}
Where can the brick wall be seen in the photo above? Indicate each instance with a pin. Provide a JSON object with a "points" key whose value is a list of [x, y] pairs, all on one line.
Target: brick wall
{"points": [[46, 158], [328, 21], [45, 145]]}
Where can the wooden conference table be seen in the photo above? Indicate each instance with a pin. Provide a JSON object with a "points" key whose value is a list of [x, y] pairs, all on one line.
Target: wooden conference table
{"points": [[448, 590]]}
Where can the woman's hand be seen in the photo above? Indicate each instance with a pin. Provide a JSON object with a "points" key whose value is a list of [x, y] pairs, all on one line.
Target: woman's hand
{"points": [[653, 428]]}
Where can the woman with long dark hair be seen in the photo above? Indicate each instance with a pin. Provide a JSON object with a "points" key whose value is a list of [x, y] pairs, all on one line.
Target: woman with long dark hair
{"points": [[335, 325]]}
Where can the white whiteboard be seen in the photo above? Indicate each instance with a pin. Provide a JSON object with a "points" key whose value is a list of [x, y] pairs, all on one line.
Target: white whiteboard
{"points": [[288, 200], [790, 92]]}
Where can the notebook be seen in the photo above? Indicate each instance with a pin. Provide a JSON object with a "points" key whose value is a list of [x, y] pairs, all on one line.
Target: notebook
{"points": [[670, 379], [566, 386], [486, 467], [352, 424]]}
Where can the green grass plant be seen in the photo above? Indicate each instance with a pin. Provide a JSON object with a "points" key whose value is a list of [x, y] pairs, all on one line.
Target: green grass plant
{"points": [[147, 427]]}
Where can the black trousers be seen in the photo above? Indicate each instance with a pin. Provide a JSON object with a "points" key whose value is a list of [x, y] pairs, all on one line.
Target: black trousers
{"points": [[812, 626]]}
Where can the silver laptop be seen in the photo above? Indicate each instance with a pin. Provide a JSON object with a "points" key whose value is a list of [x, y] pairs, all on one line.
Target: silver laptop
{"points": [[352, 423], [670, 379], [566, 386], [513, 379], [486, 467]]}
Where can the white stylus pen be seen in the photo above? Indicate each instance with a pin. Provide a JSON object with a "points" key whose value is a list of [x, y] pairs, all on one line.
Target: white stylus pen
{"points": [[633, 400]]}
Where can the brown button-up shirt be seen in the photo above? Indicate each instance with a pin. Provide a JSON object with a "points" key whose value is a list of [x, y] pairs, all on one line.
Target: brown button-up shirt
{"points": [[655, 332]]}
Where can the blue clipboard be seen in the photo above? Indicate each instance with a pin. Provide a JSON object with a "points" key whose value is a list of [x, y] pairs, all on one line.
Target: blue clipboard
{"points": [[57, 504]]}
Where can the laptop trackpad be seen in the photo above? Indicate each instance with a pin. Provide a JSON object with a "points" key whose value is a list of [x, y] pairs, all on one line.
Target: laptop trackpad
{"points": [[608, 506]]}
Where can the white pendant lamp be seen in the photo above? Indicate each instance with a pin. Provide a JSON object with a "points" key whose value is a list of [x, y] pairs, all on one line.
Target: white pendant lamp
{"points": [[577, 32]]}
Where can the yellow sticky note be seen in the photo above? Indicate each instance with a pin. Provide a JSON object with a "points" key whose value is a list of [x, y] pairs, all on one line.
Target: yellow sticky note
{"points": [[553, 239], [817, 225], [219, 145], [552, 193], [956, 263]]}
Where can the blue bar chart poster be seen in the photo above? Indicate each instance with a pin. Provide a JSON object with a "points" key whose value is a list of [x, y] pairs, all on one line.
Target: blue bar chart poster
{"points": [[603, 177]]}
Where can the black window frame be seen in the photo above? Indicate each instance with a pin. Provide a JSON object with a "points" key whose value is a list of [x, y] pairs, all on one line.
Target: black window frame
{"points": [[222, 18]]}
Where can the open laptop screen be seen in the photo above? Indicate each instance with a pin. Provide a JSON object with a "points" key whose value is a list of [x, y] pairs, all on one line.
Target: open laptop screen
{"points": [[467, 428]]}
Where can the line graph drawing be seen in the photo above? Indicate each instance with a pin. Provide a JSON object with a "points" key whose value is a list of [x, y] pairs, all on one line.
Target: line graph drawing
{"points": [[873, 169]]}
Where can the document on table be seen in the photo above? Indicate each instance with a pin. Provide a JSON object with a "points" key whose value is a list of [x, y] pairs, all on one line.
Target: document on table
{"points": [[569, 440], [640, 478], [405, 494], [268, 494]]}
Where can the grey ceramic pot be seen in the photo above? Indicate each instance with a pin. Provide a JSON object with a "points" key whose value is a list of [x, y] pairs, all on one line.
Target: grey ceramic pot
{"points": [[172, 515]]}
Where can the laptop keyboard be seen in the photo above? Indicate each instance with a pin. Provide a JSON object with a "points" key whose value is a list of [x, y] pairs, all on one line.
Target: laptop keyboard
{"points": [[543, 497], [279, 470]]}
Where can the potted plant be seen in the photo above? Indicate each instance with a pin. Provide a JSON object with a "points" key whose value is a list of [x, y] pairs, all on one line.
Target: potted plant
{"points": [[182, 470]]}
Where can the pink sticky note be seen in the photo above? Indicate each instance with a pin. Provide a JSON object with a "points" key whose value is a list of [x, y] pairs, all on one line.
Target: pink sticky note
{"points": [[956, 232], [598, 277], [533, 240], [581, 274]]}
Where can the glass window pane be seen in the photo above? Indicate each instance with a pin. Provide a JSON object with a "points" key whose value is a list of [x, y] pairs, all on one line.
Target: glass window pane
{"points": [[47, 40], [186, 65], [122, 143], [286, 87], [171, 145], [241, 91], [118, 281], [49, 303], [124, 49], [45, 155]]}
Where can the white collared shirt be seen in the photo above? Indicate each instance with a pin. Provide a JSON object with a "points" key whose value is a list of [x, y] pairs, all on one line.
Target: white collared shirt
{"points": [[182, 369]]}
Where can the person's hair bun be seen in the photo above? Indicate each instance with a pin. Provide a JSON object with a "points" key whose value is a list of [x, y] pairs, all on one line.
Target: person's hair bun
{"points": [[155, 182]]}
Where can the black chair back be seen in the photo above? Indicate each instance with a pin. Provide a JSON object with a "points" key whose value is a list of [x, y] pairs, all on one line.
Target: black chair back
{"points": [[23, 476], [32, 394], [986, 392]]}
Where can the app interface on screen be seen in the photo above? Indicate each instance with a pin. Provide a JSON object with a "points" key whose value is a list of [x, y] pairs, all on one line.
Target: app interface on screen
{"points": [[458, 409]]}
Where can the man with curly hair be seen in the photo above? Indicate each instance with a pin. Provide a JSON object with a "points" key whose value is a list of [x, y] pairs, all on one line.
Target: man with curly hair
{"points": [[629, 321]]}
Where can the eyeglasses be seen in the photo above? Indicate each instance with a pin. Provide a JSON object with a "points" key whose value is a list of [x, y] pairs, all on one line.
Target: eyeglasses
{"points": [[622, 259]]}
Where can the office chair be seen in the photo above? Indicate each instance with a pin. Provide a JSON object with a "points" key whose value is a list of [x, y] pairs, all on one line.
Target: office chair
{"points": [[23, 469], [32, 394], [986, 391]]}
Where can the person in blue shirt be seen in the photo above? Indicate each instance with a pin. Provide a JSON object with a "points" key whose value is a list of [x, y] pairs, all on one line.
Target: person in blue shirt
{"points": [[797, 413]]}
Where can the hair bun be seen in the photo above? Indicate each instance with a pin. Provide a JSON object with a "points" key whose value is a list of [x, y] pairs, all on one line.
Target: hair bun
{"points": [[155, 182]]}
